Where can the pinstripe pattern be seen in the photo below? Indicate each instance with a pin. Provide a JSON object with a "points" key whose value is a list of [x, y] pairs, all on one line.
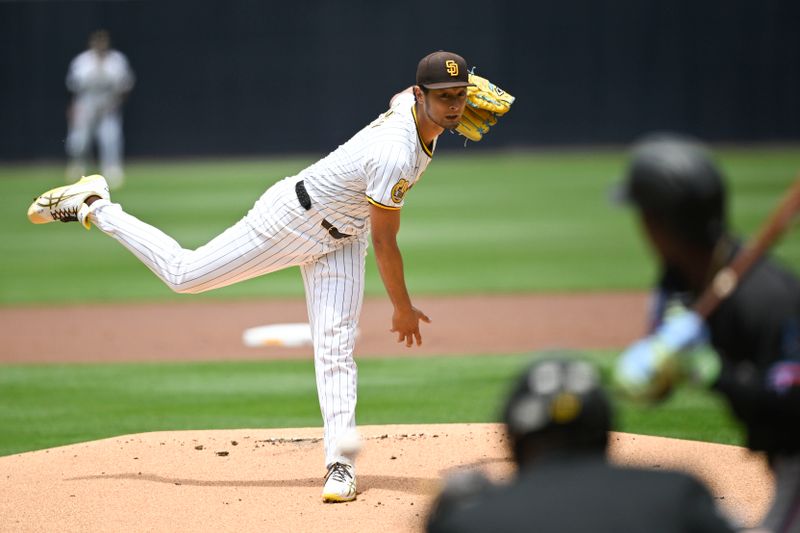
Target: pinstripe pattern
{"points": [[368, 165], [278, 233], [275, 234], [334, 293]]}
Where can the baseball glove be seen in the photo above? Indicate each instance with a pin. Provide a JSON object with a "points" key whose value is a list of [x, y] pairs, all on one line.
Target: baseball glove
{"points": [[486, 102]]}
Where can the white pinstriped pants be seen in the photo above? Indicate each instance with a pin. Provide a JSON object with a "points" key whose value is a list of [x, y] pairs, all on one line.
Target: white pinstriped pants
{"points": [[276, 233]]}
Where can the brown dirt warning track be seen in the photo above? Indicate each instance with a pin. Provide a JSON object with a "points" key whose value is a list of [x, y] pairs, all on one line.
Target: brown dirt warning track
{"points": [[270, 479]]}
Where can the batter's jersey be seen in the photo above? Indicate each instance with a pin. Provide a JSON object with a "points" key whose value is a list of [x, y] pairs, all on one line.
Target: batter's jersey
{"points": [[378, 165], [756, 331]]}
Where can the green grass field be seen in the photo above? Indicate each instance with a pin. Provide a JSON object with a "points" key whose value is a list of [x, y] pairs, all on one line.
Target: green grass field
{"points": [[502, 222], [50, 405], [475, 223]]}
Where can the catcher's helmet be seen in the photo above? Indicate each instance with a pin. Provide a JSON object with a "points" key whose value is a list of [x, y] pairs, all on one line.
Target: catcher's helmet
{"points": [[675, 180], [558, 403]]}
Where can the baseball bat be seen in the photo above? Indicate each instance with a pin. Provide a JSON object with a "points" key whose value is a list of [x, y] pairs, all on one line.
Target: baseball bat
{"points": [[727, 279]]}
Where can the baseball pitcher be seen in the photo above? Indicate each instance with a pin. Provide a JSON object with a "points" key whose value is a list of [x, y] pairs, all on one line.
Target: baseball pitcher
{"points": [[318, 220]]}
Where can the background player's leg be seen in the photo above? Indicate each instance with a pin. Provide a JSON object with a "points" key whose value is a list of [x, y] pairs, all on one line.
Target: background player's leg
{"points": [[334, 294], [109, 142], [275, 234], [79, 139]]}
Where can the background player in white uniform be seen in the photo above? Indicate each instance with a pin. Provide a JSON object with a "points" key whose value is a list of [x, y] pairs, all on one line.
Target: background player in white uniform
{"points": [[99, 79], [319, 220]]}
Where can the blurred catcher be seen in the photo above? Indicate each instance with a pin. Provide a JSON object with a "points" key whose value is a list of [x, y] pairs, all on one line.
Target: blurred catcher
{"points": [[748, 346], [557, 420]]}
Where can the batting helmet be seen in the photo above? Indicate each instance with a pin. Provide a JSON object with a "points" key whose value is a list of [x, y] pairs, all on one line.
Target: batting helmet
{"points": [[558, 403], [674, 179]]}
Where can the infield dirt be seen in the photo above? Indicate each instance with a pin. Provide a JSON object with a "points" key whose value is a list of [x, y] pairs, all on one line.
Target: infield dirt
{"points": [[213, 330]]}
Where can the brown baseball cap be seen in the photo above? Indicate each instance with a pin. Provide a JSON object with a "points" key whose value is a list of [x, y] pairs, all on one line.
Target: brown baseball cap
{"points": [[442, 70]]}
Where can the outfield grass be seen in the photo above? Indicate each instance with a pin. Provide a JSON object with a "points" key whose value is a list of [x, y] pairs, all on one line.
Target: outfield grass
{"points": [[500, 222], [49, 405]]}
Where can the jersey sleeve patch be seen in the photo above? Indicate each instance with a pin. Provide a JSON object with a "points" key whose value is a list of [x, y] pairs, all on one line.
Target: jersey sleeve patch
{"points": [[399, 191]]}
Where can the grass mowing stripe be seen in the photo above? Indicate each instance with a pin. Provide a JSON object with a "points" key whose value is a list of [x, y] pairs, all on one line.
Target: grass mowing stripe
{"points": [[50, 405], [503, 221]]}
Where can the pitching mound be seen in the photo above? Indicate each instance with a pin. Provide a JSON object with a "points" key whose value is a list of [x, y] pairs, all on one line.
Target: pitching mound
{"points": [[270, 480]]}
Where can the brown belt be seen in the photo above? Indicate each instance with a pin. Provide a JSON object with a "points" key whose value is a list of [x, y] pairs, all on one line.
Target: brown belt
{"points": [[305, 202]]}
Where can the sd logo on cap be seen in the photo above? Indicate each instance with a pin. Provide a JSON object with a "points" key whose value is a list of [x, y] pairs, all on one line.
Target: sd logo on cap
{"points": [[442, 70]]}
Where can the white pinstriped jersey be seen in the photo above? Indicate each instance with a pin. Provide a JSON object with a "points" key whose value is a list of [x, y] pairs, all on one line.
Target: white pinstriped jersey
{"points": [[377, 165]]}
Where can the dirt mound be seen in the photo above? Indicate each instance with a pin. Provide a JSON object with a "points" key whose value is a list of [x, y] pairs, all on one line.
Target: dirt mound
{"points": [[270, 480]]}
